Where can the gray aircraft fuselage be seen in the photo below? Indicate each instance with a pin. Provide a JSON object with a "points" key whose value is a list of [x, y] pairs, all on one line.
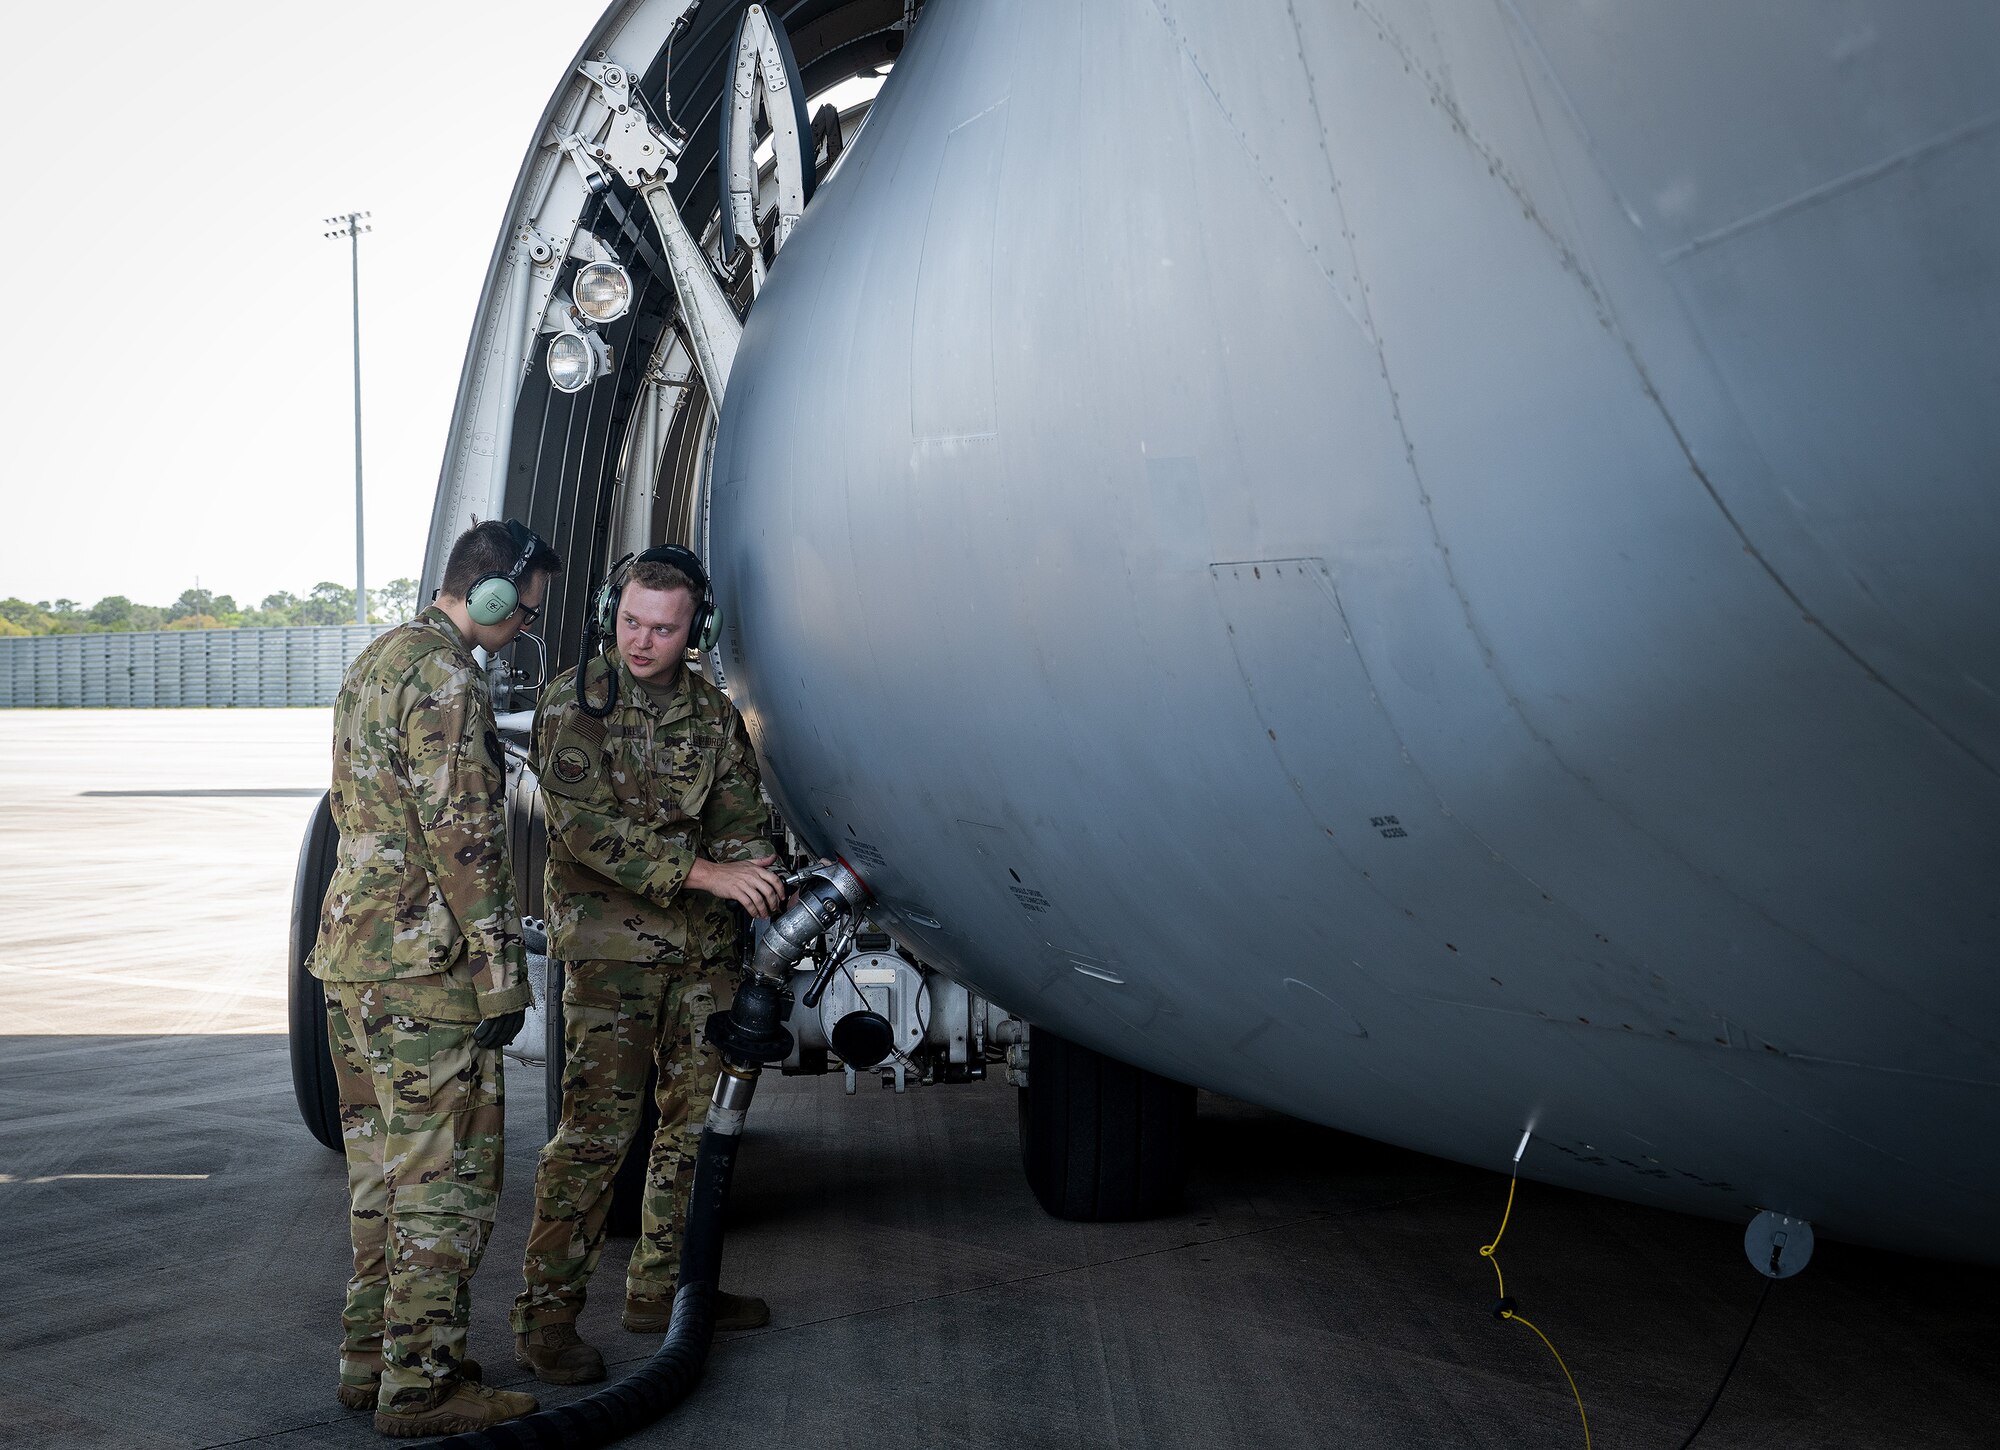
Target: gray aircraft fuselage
{"points": [[1425, 565]]}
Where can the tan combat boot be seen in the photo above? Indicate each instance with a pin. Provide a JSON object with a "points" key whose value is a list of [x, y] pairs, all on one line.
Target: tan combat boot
{"points": [[557, 1355], [465, 1406], [732, 1311], [361, 1379]]}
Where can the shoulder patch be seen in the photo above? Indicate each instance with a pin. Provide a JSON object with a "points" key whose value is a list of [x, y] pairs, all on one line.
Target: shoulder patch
{"points": [[570, 764], [574, 762]]}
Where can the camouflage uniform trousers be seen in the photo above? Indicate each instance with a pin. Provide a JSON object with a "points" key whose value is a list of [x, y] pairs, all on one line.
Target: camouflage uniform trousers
{"points": [[619, 1020], [420, 1117]]}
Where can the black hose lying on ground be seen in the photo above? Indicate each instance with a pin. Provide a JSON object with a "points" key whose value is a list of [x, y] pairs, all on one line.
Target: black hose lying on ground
{"points": [[666, 1379]]}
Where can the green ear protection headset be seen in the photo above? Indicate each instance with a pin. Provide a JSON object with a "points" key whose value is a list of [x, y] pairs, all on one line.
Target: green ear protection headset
{"points": [[706, 626], [493, 597], [602, 621]]}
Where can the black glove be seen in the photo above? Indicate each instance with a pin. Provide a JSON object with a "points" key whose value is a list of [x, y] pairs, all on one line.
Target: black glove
{"points": [[501, 1030]]}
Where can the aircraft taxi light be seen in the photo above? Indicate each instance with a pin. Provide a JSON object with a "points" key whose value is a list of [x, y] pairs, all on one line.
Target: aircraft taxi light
{"points": [[603, 291], [576, 360]]}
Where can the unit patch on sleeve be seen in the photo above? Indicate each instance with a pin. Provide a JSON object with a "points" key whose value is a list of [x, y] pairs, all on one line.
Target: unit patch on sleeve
{"points": [[574, 762]]}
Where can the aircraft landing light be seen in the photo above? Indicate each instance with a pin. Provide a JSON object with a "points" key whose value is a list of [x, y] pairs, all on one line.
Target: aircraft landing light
{"points": [[603, 291]]}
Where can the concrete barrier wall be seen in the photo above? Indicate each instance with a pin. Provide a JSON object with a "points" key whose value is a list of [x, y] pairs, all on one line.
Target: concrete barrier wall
{"points": [[192, 667]]}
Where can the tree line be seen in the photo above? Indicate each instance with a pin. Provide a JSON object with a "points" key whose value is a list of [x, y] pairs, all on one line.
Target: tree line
{"points": [[328, 603]]}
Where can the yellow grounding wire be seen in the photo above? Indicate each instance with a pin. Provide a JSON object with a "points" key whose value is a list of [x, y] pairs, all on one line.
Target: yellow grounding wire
{"points": [[1506, 1310]]}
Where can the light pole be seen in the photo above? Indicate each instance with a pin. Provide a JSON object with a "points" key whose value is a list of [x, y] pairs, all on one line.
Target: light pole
{"points": [[351, 226]]}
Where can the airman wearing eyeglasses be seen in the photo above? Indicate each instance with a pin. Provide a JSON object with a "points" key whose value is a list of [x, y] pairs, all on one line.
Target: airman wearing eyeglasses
{"points": [[420, 952]]}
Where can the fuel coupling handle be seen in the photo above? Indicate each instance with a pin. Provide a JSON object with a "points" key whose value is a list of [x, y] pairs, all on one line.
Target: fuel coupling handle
{"points": [[752, 1032], [828, 895]]}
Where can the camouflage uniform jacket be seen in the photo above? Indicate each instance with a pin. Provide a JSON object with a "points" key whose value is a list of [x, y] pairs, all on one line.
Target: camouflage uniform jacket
{"points": [[422, 885], [630, 800]]}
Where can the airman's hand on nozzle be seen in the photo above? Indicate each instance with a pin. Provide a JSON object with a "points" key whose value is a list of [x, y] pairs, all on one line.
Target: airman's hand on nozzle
{"points": [[752, 885], [501, 1030]]}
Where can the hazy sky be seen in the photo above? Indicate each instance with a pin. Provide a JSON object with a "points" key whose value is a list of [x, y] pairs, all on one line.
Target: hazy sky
{"points": [[177, 399]]}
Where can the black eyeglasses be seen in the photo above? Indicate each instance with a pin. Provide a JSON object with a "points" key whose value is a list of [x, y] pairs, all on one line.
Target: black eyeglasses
{"points": [[532, 611]]}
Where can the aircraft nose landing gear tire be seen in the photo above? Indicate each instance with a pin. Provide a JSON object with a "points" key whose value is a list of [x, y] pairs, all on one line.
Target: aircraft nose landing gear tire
{"points": [[312, 1058], [1101, 1140]]}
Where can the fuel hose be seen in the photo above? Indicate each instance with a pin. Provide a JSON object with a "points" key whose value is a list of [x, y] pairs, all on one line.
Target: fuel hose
{"points": [[672, 1371], [749, 1034]]}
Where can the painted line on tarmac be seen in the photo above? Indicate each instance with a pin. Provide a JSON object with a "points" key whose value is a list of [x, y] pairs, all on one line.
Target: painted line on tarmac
{"points": [[109, 1178]]}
